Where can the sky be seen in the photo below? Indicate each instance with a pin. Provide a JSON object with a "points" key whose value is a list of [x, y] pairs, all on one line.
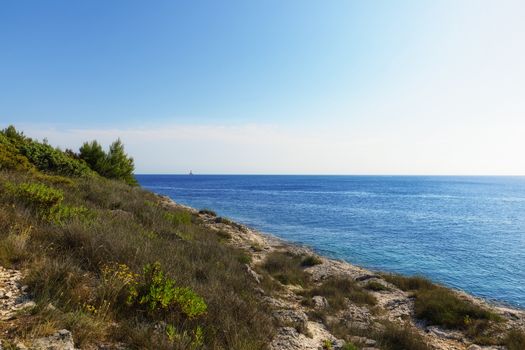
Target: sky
{"points": [[273, 87]]}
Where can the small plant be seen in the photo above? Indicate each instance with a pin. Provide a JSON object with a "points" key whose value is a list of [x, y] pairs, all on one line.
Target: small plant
{"points": [[376, 286], [285, 268], [38, 196], [311, 260], [327, 345], [159, 292], [178, 218], [244, 258], [349, 346], [443, 307], [337, 289], [397, 337], [223, 235], [207, 212], [408, 283]]}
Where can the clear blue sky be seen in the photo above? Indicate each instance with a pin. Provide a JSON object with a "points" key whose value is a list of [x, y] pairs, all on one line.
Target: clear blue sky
{"points": [[404, 87]]}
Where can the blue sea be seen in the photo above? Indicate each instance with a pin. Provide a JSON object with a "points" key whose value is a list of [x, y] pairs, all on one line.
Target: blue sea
{"points": [[464, 232]]}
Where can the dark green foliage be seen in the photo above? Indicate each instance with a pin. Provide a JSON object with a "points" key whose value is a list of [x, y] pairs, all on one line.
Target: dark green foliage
{"points": [[207, 212], [93, 154], [119, 165], [17, 152], [115, 164], [47, 158], [10, 157], [311, 260]]}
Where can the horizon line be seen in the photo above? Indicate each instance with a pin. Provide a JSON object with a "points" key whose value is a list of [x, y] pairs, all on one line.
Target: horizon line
{"points": [[322, 174]]}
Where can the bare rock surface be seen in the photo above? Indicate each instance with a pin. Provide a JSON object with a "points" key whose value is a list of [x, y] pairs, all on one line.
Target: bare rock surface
{"points": [[393, 304], [15, 302]]}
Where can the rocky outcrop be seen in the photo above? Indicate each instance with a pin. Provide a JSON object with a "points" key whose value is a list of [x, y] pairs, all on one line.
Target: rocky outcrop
{"points": [[298, 331], [15, 302]]}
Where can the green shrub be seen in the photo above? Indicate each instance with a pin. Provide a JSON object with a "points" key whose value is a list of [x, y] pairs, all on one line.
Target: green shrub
{"points": [[408, 283], [47, 158], [394, 337], [159, 292], [285, 268], [244, 258], [179, 218], [311, 260], [337, 289], [207, 212], [443, 307], [10, 157], [376, 286], [349, 346], [38, 196], [47, 202]]}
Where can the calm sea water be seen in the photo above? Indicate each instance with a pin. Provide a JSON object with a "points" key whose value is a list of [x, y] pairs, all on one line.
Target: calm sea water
{"points": [[465, 232]]}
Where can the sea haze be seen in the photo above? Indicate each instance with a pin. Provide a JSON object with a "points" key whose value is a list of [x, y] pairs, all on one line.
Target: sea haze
{"points": [[465, 232]]}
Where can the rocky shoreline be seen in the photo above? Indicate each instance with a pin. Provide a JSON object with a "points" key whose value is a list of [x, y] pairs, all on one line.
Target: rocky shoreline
{"points": [[393, 304]]}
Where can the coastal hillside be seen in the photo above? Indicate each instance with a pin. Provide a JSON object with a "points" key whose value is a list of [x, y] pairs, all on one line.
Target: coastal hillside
{"points": [[89, 260]]}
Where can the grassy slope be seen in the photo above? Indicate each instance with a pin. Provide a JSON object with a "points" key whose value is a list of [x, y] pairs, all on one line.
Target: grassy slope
{"points": [[70, 247], [111, 263]]}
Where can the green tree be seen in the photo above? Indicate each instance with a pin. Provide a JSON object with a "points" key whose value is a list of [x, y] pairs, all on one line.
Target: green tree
{"points": [[115, 164], [119, 165], [93, 154]]}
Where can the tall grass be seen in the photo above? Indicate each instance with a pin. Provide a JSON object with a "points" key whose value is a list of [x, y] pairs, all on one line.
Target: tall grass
{"points": [[66, 263]]}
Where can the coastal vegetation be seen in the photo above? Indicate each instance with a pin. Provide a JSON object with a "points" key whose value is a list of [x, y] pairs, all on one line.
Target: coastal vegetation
{"points": [[440, 306], [119, 266], [111, 263]]}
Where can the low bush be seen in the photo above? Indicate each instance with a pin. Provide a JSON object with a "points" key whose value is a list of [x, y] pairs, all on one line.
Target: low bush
{"points": [[408, 283], [286, 268], [37, 196], [207, 212], [161, 293], [47, 158], [10, 157], [443, 307], [389, 336], [338, 289], [376, 286], [395, 337], [179, 218], [311, 260]]}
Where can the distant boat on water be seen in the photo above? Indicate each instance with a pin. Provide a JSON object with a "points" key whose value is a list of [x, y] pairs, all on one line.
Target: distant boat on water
{"points": [[191, 173]]}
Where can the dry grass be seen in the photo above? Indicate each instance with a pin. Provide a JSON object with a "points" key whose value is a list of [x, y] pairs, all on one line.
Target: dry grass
{"points": [[286, 268], [337, 290], [130, 227]]}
